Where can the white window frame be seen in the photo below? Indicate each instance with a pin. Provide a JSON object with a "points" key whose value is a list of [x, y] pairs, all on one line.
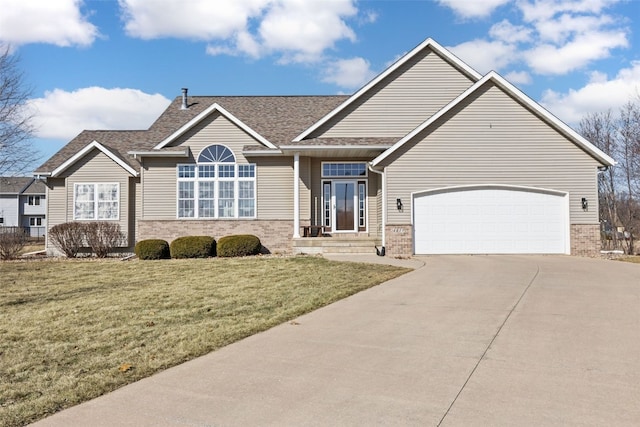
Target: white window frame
{"points": [[366, 170], [33, 221], [34, 201], [216, 180], [96, 201]]}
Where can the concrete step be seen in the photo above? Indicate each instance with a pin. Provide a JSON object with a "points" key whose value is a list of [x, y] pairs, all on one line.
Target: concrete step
{"points": [[336, 245]]}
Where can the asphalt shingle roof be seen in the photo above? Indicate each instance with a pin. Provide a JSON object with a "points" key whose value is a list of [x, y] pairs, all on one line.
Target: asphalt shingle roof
{"points": [[279, 119], [13, 185]]}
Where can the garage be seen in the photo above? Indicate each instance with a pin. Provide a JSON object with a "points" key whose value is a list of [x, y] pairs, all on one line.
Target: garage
{"points": [[491, 220]]}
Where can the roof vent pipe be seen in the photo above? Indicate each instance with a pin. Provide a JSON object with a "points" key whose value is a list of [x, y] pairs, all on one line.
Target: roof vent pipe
{"points": [[184, 98]]}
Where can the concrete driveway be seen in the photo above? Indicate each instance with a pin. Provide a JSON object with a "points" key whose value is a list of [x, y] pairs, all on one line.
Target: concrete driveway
{"points": [[462, 341]]}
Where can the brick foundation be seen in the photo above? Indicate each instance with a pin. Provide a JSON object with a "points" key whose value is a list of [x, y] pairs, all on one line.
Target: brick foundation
{"points": [[399, 240], [276, 236], [585, 240]]}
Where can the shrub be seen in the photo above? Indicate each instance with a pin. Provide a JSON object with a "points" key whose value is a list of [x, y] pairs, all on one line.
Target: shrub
{"points": [[102, 237], [239, 245], [12, 240], [193, 247], [152, 249], [68, 237]]}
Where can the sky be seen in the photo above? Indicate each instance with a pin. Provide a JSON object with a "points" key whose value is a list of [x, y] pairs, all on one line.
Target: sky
{"points": [[116, 64]]}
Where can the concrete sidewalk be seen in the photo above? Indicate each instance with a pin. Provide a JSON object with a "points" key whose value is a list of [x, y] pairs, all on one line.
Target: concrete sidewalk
{"points": [[464, 340]]}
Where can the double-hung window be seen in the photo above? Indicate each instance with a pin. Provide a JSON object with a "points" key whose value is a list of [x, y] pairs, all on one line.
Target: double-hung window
{"points": [[96, 201], [216, 186]]}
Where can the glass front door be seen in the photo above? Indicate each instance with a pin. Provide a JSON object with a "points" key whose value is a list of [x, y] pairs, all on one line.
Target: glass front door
{"points": [[344, 206]]}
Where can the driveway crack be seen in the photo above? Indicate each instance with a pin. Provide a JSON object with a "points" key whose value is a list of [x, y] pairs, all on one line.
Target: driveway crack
{"points": [[504, 322]]}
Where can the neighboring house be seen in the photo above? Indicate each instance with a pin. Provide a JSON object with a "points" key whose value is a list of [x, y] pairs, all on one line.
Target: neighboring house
{"points": [[429, 157], [23, 204]]}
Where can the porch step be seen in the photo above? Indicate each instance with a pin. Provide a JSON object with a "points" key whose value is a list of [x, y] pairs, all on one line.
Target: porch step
{"points": [[333, 245]]}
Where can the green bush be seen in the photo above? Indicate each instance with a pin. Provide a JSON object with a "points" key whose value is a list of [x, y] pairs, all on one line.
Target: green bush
{"points": [[152, 249], [193, 247], [239, 245]]}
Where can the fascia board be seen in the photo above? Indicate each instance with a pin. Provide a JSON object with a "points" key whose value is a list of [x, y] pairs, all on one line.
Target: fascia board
{"points": [[80, 154], [427, 43], [215, 107]]}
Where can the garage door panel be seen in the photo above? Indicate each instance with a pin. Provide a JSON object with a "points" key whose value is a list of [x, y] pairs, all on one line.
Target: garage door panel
{"points": [[490, 221]]}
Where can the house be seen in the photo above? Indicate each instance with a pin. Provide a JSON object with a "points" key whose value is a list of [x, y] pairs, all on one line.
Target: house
{"points": [[23, 204], [429, 157]]}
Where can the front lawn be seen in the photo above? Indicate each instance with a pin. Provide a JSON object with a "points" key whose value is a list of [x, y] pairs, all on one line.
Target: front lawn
{"points": [[73, 330]]}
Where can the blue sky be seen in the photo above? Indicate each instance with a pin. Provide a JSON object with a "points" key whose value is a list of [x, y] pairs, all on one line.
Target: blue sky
{"points": [[116, 64]]}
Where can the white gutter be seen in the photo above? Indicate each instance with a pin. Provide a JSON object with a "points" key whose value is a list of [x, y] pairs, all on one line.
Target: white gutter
{"points": [[384, 204]]}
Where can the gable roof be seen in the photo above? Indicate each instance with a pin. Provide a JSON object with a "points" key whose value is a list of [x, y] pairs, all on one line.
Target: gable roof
{"points": [[14, 184], [427, 44], [511, 90], [87, 149], [210, 110], [277, 119]]}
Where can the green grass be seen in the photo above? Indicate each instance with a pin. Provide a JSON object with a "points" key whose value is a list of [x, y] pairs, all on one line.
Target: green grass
{"points": [[73, 330]]}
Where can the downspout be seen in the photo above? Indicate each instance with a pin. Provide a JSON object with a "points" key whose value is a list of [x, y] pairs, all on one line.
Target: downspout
{"points": [[382, 250]]}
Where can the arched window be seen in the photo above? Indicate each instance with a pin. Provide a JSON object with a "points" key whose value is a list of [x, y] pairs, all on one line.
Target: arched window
{"points": [[216, 186], [216, 154]]}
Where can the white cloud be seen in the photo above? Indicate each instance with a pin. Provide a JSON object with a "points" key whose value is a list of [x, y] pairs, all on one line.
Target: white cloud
{"points": [[62, 115], [306, 28], [349, 73], [507, 32], [519, 77], [599, 94], [195, 19], [298, 30], [473, 8], [541, 10], [486, 55], [576, 54], [58, 22]]}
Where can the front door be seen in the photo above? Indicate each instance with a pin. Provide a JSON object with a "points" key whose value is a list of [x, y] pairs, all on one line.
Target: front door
{"points": [[344, 206]]}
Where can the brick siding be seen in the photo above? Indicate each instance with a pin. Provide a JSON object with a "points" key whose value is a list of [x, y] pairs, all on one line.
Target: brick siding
{"points": [[275, 236], [585, 239], [399, 240]]}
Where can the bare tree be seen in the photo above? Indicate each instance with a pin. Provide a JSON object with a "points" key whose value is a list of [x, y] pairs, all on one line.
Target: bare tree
{"points": [[618, 186], [17, 155], [629, 160], [600, 129]]}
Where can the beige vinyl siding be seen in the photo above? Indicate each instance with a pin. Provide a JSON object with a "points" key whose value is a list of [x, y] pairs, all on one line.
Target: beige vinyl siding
{"points": [[400, 102], [56, 204], [275, 188], [96, 167], [372, 216], [216, 129], [492, 139], [159, 194]]}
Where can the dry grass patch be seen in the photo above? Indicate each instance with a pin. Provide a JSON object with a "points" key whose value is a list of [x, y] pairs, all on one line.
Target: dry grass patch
{"points": [[634, 259], [73, 330]]}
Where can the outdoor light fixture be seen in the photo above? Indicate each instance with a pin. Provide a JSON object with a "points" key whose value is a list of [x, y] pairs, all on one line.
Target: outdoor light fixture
{"points": [[399, 204], [585, 203]]}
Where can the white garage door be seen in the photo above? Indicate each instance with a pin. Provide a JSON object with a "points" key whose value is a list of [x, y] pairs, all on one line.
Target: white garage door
{"points": [[490, 221]]}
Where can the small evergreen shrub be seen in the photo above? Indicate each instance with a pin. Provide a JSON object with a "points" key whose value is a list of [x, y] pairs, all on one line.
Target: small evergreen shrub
{"points": [[239, 245], [193, 247], [152, 249]]}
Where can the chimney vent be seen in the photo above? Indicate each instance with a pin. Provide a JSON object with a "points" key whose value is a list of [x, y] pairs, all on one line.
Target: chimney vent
{"points": [[184, 98]]}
